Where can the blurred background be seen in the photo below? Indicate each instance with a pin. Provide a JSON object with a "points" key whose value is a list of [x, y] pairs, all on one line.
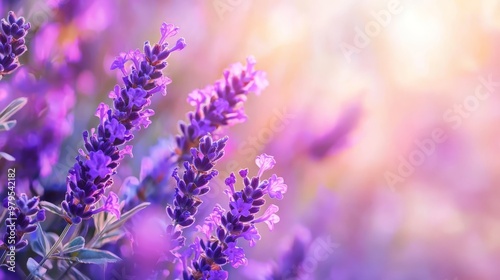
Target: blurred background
{"points": [[358, 91]]}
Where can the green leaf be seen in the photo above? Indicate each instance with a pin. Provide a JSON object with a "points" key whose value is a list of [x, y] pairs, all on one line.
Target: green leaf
{"points": [[41, 245], [7, 156], [99, 221], [126, 216], [12, 108], [52, 208], [34, 268], [74, 245], [95, 256], [109, 238], [8, 125]]}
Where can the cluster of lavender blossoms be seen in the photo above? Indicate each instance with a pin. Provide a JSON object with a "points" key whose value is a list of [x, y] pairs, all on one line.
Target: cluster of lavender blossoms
{"points": [[194, 182], [197, 150], [24, 216], [90, 176], [12, 42], [220, 104], [223, 229], [217, 105]]}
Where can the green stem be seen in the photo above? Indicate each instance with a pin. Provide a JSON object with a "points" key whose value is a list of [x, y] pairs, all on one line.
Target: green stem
{"points": [[96, 237], [52, 250], [88, 245], [3, 215], [67, 270], [4, 256]]}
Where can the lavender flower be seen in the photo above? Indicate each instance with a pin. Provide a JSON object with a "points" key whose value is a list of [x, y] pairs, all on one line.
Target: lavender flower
{"points": [[337, 137], [23, 218], [12, 42], [216, 105], [194, 182], [223, 229], [91, 175], [219, 104], [292, 259]]}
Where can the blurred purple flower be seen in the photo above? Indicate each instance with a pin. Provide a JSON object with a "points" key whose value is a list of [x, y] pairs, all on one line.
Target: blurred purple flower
{"points": [[337, 137]]}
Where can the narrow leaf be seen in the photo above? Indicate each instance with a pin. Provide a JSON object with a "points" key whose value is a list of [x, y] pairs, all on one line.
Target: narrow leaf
{"points": [[126, 216], [12, 108], [8, 125], [109, 238], [41, 244], [74, 245], [95, 256], [52, 208], [7, 156], [34, 268], [99, 220]]}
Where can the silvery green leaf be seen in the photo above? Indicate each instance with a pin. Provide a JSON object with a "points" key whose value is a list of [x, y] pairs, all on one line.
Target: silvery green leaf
{"points": [[41, 245], [95, 256], [52, 208], [99, 221], [12, 108], [109, 238], [7, 156], [34, 268], [126, 216], [74, 245], [8, 125], [52, 237]]}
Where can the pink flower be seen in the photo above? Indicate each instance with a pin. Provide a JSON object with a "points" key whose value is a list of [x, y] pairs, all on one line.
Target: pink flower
{"points": [[112, 205], [251, 235], [167, 30], [269, 217], [236, 255], [276, 187], [264, 162]]}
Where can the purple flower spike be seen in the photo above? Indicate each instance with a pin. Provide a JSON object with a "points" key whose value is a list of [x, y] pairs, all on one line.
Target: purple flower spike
{"points": [[90, 177], [12, 42], [23, 218], [219, 105], [194, 182], [239, 222]]}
